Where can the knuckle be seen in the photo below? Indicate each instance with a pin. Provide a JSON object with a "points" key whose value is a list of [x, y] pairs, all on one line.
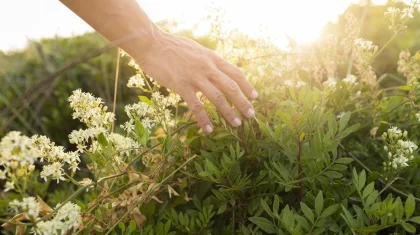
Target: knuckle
{"points": [[237, 73], [244, 103], [233, 86], [230, 113], [219, 98], [202, 118], [196, 107]]}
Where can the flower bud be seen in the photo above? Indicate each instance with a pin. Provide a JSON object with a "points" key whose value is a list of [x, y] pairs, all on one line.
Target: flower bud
{"points": [[405, 134], [386, 148]]}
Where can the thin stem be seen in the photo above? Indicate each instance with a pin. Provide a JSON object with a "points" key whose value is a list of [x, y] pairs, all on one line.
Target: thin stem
{"points": [[117, 69]]}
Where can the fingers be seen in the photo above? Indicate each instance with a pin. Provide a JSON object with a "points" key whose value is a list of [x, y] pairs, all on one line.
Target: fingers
{"points": [[236, 74], [197, 108], [233, 92], [216, 97]]}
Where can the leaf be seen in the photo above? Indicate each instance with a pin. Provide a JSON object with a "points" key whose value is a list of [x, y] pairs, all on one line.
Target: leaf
{"points": [[410, 206], [368, 190], [266, 207], [222, 208], [276, 204], [44, 208], [415, 219], [144, 99], [333, 174], [307, 212], [344, 160], [102, 140], [408, 227], [121, 225], [362, 180], [264, 224], [343, 121], [222, 135], [132, 226], [319, 203], [329, 211]]}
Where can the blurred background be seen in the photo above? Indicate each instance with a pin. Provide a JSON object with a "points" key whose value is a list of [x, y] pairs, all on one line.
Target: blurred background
{"points": [[46, 51]]}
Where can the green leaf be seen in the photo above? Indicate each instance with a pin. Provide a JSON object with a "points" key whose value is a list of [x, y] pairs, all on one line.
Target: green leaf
{"points": [[333, 174], [329, 211], [344, 160], [415, 219], [410, 206], [368, 190], [408, 227], [307, 212], [98, 215], [144, 99], [121, 225], [362, 180], [266, 207], [222, 208], [222, 135], [132, 226], [102, 140], [264, 224], [343, 121], [276, 204], [319, 203]]}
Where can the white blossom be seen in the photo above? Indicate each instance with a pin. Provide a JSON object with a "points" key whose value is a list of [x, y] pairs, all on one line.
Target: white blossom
{"points": [[136, 81]]}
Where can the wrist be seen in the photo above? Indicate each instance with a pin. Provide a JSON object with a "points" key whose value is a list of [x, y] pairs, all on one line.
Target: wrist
{"points": [[142, 41]]}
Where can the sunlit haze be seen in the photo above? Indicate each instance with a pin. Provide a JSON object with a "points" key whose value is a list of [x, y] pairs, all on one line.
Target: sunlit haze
{"points": [[300, 19]]}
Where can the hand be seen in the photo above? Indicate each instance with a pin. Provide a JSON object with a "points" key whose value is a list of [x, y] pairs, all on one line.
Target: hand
{"points": [[186, 67]]}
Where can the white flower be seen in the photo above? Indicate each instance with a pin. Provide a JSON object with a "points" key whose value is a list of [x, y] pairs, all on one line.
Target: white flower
{"points": [[28, 205], [418, 116], [363, 44], [9, 186], [67, 218], [89, 110], [410, 146], [289, 83], [350, 79], [394, 130], [300, 84], [54, 170], [341, 115], [331, 82], [407, 13], [136, 81]]}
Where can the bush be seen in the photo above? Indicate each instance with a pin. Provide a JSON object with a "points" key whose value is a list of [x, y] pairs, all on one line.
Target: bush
{"points": [[322, 155]]}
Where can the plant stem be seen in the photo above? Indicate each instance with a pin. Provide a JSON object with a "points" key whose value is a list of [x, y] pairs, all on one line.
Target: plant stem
{"points": [[149, 192]]}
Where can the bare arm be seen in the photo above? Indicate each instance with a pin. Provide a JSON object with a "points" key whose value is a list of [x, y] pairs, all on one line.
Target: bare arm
{"points": [[175, 62]]}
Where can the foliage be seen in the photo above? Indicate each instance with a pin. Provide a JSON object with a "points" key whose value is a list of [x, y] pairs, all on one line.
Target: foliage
{"points": [[328, 152]]}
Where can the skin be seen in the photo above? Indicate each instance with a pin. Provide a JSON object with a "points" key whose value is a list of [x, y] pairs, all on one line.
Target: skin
{"points": [[177, 63]]}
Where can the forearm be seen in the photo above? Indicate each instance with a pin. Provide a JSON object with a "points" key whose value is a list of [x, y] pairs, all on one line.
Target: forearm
{"points": [[122, 22]]}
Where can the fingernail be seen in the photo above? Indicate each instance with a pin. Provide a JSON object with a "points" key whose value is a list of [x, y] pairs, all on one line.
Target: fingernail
{"points": [[208, 129], [254, 94], [250, 113], [236, 122]]}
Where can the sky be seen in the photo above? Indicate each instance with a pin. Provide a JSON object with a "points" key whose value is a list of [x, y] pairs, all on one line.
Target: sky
{"points": [[300, 19]]}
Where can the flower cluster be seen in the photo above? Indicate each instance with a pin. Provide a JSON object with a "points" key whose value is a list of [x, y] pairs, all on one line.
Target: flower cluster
{"points": [[364, 53], [409, 66], [400, 151], [136, 81], [90, 110], [123, 146], [151, 112], [56, 156], [17, 156], [330, 83], [399, 18], [67, 218], [81, 138], [28, 205], [298, 84]]}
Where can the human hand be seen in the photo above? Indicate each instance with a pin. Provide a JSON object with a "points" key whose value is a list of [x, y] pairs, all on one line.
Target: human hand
{"points": [[186, 67]]}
